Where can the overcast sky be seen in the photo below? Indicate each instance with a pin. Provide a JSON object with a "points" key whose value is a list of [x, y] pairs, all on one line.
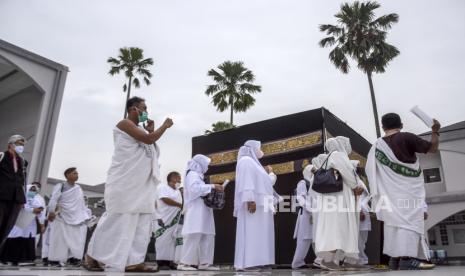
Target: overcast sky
{"points": [[277, 40]]}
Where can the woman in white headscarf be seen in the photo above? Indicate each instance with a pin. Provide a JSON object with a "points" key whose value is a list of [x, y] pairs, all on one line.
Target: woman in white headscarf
{"points": [[336, 236], [20, 247], [253, 207], [199, 225], [303, 232]]}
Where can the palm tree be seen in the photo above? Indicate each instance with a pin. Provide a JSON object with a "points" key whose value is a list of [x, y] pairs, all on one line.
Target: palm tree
{"points": [[131, 61], [233, 88], [362, 37], [220, 126]]}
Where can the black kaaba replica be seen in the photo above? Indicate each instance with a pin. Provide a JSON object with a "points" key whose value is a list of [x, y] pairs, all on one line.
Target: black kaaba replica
{"points": [[289, 144]]}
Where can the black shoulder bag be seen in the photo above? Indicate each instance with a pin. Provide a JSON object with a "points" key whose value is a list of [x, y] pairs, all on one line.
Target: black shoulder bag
{"points": [[326, 181]]}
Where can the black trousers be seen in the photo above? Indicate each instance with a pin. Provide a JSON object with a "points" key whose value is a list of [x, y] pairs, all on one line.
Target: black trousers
{"points": [[9, 211], [17, 250]]}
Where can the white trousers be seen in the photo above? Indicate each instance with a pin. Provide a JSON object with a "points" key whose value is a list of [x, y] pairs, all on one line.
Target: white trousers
{"points": [[66, 241], [301, 250], [120, 240], [198, 249], [362, 240]]}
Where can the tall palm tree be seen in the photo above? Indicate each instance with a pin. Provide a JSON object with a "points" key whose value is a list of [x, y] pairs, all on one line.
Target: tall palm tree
{"points": [[132, 62], [233, 89], [362, 37]]}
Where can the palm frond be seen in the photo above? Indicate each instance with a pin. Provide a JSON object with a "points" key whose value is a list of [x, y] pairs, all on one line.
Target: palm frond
{"points": [[339, 59], [136, 82], [385, 22]]}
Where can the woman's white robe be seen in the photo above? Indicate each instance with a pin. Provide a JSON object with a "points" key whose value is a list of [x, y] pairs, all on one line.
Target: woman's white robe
{"points": [[338, 229], [303, 232], [31, 230], [254, 232], [199, 224]]}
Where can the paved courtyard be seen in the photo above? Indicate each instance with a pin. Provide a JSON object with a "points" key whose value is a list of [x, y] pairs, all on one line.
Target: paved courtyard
{"points": [[44, 271]]}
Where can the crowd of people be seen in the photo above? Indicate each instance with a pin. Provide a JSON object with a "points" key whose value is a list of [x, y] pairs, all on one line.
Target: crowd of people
{"points": [[335, 223]]}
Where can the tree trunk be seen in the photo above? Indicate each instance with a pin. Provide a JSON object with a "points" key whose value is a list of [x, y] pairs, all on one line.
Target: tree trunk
{"points": [[373, 103], [231, 102], [128, 94]]}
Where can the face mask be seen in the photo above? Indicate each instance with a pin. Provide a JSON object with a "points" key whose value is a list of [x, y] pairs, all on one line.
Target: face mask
{"points": [[19, 149], [143, 116], [31, 194], [177, 185], [260, 154]]}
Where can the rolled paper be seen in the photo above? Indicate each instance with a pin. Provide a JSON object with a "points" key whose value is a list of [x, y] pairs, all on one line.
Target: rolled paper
{"points": [[422, 116], [225, 183]]}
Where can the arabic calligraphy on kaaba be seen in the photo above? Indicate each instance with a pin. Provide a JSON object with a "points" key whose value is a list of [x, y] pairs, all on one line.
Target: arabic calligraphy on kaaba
{"points": [[272, 148]]}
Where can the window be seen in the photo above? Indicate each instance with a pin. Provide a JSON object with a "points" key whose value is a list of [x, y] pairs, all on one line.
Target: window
{"points": [[432, 236], [459, 235], [432, 175]]}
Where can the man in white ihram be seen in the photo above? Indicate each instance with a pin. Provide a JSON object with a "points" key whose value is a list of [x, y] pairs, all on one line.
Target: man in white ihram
{"points": [[122, 234], [396, 182], [253, 207], [68, 229]]}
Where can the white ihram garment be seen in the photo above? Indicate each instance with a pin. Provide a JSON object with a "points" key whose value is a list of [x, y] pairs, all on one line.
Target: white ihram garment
{"points": [[398, 195], [123, 233], [68, 230]]}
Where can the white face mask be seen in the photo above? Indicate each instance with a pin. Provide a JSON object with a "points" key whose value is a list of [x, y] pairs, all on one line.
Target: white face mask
{"points": [[177, 185], [260, 154], [19, 149]]}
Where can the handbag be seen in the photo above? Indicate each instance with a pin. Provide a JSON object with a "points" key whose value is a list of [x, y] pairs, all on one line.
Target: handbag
{"points": [[326, 180], [215, 199]]}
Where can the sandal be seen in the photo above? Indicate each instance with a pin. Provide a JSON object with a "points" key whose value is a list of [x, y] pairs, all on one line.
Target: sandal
{"points": [[141, 268], [91, 264]]}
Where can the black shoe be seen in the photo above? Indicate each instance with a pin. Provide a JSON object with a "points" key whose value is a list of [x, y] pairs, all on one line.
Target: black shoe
{"points": [[74, 262], [45, 262], [394, 263], [414, 264], [173, 266], [55, 264]]}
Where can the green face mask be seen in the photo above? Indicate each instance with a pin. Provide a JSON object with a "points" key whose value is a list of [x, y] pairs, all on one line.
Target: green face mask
{"points": [[144, 116]]}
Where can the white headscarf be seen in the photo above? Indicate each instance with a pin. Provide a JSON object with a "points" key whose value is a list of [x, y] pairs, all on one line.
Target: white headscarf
{"points": [[307, 172], [199, 164], [339, 144], [355, 163], [251, 148], [318, 161], [15, 138]]}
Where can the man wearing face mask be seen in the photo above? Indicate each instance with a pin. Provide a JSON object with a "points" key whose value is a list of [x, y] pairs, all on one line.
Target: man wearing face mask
{"points": [[255, 215], [12, 180], [169, 207], [122, 235]]}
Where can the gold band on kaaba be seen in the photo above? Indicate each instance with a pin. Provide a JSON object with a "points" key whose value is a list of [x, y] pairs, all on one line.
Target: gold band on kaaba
{"points": [[287, 145]]}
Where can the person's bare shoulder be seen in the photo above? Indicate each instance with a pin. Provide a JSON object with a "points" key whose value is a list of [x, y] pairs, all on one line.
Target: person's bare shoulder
{"points": [[125, 124]]}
